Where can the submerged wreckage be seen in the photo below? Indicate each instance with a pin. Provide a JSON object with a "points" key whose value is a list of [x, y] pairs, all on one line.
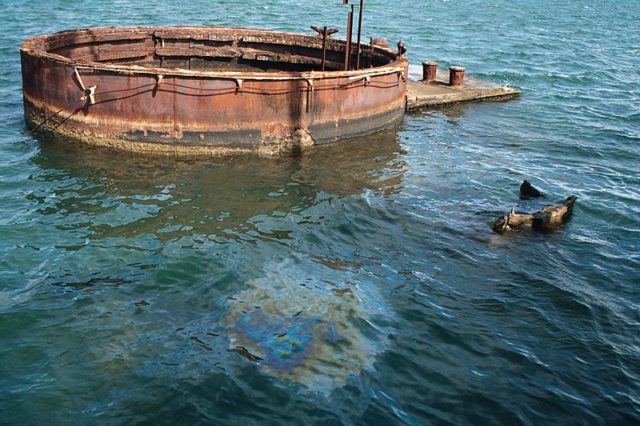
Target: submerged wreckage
{"points": [[548, 218], [211, 90], [208, 90]]}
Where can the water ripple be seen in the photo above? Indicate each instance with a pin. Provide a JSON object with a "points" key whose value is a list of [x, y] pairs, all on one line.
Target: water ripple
{"points": [[121, 278]]}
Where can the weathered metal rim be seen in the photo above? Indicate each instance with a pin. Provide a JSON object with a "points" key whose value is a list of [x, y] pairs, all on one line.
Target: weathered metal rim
{"points": [[35, 46]]}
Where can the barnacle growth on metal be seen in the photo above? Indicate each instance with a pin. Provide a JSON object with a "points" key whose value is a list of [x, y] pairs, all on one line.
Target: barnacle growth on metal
{"points": [[208, 90]]}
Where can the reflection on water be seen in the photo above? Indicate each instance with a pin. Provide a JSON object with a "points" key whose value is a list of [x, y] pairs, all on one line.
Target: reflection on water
{"points": [[108, 216], [146, 271], [112, 194]]}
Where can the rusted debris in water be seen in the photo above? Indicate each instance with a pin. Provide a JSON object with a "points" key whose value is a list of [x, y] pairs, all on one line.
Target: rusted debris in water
{"points": [[527, 191], [548, 218]]}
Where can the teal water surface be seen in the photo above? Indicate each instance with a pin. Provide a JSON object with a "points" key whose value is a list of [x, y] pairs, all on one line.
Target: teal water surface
{"points": [[364, 275]]}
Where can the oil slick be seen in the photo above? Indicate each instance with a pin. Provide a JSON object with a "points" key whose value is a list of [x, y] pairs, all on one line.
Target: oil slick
{"points": [[301, 329]]}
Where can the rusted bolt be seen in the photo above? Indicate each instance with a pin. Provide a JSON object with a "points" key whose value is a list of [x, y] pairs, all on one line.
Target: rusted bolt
{"points": [[429, 71], [456, 76]]}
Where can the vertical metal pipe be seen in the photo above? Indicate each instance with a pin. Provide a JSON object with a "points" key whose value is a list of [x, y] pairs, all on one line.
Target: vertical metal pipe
{"points": [[359, 33], [347, 51], [324, 46]]}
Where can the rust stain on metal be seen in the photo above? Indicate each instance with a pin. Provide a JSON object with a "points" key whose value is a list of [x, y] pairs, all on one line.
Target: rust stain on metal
{"points": [[456, 76], [206, 90]]}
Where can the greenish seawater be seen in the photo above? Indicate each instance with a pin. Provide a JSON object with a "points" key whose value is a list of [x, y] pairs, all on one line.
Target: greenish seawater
{"points": [[364, 274]]}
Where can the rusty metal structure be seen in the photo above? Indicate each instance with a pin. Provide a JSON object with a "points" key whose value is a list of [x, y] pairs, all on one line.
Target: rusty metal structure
{"points": [[208, 90]]}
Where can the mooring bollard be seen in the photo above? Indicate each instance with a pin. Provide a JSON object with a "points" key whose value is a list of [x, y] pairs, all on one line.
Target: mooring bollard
{"points": [[429, 71], [456, 76]]}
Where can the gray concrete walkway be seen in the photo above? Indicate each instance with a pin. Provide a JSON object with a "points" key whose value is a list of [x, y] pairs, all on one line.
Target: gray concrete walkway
{"points": [[439, 93]]}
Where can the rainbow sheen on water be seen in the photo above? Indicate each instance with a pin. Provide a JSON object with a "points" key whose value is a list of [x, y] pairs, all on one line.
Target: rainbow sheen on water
{"points": [[304, 329]]}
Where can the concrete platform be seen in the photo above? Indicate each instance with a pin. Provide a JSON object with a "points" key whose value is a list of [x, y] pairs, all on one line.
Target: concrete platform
{"points": [[439, 93]]}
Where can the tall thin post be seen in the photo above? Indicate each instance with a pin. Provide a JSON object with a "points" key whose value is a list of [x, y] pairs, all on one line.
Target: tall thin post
{"points": [[359, 33], [324, 32], [347, 51], [324, 47]]}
